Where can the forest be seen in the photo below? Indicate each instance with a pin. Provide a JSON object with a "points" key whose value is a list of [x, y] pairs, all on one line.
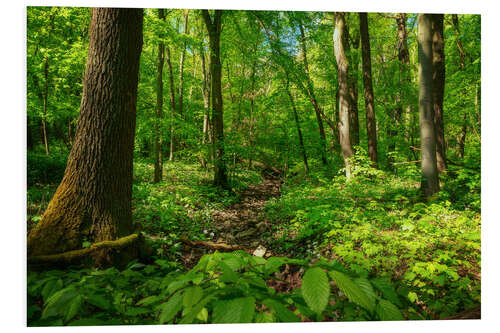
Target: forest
{"points": [[194, 166]]}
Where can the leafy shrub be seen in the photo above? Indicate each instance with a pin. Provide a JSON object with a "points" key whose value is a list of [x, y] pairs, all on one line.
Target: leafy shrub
{"points": [[221, 288]]}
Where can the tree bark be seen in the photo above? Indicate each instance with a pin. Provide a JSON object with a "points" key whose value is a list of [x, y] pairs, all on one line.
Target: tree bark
{"points": [[158, 133], [45, 101], [172, 103], [438, 78], [312, 96], [430, 181], [94, 198], [343, 84], [371, 126], [463, 132], [181, 66], [353, 85], [297, 124], [205, 90], [214, 30]]}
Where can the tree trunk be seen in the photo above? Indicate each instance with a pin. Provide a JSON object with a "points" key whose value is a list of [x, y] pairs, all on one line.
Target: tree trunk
{"points": [[158, 133], [214, 31], [371, 126], [430, 181], [205, 89], [353, 86], [297, 124], [438, 78], [312, 96], [94, 199], [181, 66], [172, 104], [463, 132], [344, 100], [45, 99]]}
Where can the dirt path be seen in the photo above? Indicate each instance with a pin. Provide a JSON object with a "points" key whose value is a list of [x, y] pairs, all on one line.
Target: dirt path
{"points": [[242, 223]]}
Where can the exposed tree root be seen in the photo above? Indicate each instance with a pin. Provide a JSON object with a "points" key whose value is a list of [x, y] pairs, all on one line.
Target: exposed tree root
{"points": [[212, 245], [82, 255]]}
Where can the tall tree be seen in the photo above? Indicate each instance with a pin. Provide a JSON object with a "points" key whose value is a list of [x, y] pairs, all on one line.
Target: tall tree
{"points": [[297, 124], [430, 181], [371, 126], [158, 136], [344, 98], [438, 78], [463, 131], [214, 28], [352, 57], [312, 95], [172, 103], [94, 198], [181, 65]]}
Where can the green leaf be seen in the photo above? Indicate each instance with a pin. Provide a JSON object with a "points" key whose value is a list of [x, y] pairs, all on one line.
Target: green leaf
{"points": [[316, 289], [353, 292], [50, 288], [202, 315], [264, 317], [238, 310], [57, 303], [73, 308], [412, 296], [189, 317], [171, 308], [365, 285], [89, 322], [150, 300], [282, 313], [228, 275], [387, 290], [388, 311], [191, 296], [99, 301]]}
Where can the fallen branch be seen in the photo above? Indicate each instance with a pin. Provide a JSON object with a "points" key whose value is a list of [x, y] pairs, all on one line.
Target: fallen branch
{"points": [[75, 255], [212, 245], [472, 313]]}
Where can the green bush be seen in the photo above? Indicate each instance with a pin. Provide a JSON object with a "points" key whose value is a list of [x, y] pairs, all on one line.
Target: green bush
{"points": [[43, 169]]}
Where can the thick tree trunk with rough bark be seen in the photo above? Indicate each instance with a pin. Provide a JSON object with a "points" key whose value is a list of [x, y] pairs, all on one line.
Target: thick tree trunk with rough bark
{"points": [[344, 99], [430, 181], [438, 78], [371, 126], [158, 133], [94, 199], [214, 30]]}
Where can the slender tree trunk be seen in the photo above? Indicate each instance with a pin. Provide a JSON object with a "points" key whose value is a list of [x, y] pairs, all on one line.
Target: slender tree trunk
{"points": [[214, 30], [252, 113], [353, 85], [463, 132], [172, 104], [371, 126], [205, 89], [344, 100], [430, 181], [297, 124], [29, 135], [45, 99], [94, 199], [181, 66], [158, 133], [438, 78], [312, 96]]}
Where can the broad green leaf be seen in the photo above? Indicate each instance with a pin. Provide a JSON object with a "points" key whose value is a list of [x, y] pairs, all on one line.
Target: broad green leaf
{"points": [[316, 289], [388, 311], [171, 308], [57, 304], [50, 288], [353, 292], [282, 313], [365, 285], [228, 275], [387, 290], [99, 301], [73, 308], [150, 300], [238, 310], [191, 296], [202, 315], [89, 322], [189, 317], [264, 317]]}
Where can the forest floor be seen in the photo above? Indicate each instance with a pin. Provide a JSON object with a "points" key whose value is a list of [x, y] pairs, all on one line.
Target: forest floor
{"points": [[241, 224]]}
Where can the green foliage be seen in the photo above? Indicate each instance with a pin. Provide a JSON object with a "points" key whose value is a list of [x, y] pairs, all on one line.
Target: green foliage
{"points": [[43, 169], [221, 288]]}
